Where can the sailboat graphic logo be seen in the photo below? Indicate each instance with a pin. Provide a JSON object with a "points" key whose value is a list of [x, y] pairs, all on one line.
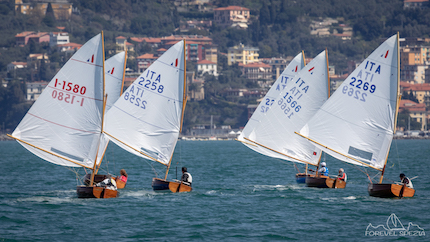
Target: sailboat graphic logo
{"points": [[394, 227]]}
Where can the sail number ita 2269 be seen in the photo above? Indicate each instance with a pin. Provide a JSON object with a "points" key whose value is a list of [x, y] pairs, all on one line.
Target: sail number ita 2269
{"points": [[69, 87], [361, 85]]}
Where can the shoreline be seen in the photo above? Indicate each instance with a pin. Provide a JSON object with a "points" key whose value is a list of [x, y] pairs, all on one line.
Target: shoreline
{"points": [[4, 137]]}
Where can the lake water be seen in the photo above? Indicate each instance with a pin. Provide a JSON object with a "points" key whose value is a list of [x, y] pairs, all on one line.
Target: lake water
{"points": [[238, 195]]}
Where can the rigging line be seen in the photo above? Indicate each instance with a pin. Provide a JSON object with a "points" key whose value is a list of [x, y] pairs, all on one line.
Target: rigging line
{"points": [[398, 157], [72, 169]]}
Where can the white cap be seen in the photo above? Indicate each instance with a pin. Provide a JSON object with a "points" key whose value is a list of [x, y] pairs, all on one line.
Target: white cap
{"points": [[322, 163]]}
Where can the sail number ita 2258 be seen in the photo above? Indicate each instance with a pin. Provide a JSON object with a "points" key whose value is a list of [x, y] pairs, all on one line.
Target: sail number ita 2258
{"points": [[68, 87], [361, 85], [134, 95], [151, 81]]}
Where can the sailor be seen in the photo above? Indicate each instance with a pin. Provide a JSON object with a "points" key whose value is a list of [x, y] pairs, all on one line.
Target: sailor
{"points": [[186, 178], [406, 181], [323, 170], [341, 175], [108, 183], [123, 177]]}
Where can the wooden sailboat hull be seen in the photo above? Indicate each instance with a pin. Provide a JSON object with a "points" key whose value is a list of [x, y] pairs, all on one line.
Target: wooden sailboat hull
{"points": [[301, 177], [163, 185], [385, 190], [319, 181], [159, 184], [95, 192], [179, 187], [324, 182]]}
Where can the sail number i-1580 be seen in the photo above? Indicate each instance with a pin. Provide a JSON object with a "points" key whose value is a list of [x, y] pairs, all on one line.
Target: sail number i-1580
{"points": [[69, 87]]}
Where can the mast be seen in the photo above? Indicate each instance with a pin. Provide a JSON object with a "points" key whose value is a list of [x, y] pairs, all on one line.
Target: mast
{"points": [[105, 103], [123, 74], [328, 93], [397, 104], [304, 60], [95, 167], [184, 102]]}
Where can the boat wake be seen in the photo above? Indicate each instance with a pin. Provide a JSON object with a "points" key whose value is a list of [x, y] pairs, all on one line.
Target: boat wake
{"points": [[338, 198], [276, 187]]}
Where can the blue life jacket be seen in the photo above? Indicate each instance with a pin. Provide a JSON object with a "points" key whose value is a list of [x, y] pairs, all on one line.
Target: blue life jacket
{"points": [[325, 172]]}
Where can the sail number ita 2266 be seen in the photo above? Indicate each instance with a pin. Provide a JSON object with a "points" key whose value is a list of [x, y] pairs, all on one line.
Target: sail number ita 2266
{"points": [[69, 87]]}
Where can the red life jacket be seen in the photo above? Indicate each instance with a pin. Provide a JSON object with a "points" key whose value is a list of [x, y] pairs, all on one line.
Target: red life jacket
{"points": [[123, 178]]}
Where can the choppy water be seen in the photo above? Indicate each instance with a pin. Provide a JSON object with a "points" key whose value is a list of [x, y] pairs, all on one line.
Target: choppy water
{"points": [[237, 195]]}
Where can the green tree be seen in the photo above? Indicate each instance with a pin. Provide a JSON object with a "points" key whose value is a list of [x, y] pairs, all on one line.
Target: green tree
{"points": [[49, 18]]}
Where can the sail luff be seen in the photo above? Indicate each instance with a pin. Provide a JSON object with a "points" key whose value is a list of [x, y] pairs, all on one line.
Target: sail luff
{"points": [[184, 103], [304, 59], [328, 73], [96, 166], [123, 73], [397, 104], [49, 152]]}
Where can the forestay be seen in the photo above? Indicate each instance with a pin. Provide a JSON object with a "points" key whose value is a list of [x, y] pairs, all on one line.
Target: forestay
{"points": [[65, 121], [287, 75], [359, 119], [146, 119], [114, 79], [293, 107]]}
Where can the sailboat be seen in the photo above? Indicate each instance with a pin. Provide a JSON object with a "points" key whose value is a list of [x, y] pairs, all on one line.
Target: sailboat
{"points": [[147, 119], [270, 131], [356, 125], [114, 84], [64, 125]]}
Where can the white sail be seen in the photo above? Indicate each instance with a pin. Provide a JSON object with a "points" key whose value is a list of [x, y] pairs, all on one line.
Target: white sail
{"points": [[146, 119], [114, 75], [114, 79], [358, 121], [293, 107], [64, 125], [287, 75]]}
